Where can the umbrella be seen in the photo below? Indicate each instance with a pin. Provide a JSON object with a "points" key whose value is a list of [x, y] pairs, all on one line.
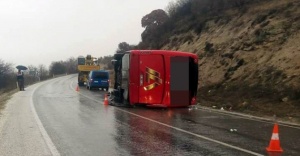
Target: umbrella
{"points": [[20, 67]]}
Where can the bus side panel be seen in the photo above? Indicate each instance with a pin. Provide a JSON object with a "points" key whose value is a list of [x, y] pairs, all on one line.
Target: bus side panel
{"points": [[134, 81], [166, 98], [152, 77]]}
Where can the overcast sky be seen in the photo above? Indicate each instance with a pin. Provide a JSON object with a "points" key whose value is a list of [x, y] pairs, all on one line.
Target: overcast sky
{"points": [[34, 32]]}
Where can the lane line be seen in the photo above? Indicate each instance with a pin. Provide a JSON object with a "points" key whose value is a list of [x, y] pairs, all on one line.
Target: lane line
{"points": [[43, 131], [194, 134], [179, 129], [248, 117]]}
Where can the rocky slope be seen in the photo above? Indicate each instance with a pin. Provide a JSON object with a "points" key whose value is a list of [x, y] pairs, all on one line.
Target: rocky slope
{"points": [[249, 58]]}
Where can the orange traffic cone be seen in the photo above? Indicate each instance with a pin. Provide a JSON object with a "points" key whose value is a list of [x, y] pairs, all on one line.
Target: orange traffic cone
{"points": [[274, 145], [77, 88], [105, 100]]}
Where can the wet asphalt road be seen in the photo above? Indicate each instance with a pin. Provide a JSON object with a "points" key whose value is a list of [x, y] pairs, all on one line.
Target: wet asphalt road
{"points": [[79, 124]]}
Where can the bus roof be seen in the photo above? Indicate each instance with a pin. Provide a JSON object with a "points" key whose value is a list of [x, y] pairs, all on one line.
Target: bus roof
{"points": [[164, 52]]}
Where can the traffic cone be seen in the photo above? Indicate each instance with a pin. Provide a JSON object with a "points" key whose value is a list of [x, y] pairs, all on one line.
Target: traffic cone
{"points": [[105, 100], [274, 145], [77, 88]]}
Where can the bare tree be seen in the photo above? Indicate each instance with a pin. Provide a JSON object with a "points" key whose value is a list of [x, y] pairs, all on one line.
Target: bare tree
{"points": [[33, 70], [43, 72], [71, 65], [106, 60], [5, 68], [6, 75]]}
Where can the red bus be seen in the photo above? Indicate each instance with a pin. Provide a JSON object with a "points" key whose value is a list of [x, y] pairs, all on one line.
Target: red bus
{"points": [[157, 78]]}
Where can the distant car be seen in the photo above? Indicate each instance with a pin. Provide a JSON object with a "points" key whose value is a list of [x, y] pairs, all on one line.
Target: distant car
{"points": [[98, 79]]}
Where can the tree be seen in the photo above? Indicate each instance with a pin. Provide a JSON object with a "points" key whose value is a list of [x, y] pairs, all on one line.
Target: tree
{"points": [[33, 70], [154, 28], [71, 65], [57, 68], [123, 47], [106, 60], [43, 72], [180, 8], [6, 74], [5, 68], [154, 19]]}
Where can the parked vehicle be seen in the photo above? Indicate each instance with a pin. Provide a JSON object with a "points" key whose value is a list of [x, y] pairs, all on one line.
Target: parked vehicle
{"points": [[98, 79], [155, 78], [85, 65]]}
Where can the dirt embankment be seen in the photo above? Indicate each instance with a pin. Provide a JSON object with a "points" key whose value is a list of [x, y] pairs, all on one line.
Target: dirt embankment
{"points": [[249, 59]]}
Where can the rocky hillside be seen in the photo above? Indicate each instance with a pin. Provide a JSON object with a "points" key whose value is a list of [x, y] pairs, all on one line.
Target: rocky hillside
{"points": [[249, 57], [254, 47]]}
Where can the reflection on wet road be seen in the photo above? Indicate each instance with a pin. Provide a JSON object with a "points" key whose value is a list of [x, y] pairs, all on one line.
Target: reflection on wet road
{"points": [[79, 124]]}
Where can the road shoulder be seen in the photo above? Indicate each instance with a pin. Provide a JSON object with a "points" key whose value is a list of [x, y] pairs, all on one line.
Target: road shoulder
{"points": [[19, 131]]}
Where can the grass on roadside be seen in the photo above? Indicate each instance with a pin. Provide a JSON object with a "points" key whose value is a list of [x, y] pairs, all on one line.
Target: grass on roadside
{"points": [[4, 97]]}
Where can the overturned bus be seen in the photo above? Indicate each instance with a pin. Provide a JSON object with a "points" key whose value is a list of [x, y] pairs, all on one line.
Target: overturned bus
{"points": [[157, 78]]}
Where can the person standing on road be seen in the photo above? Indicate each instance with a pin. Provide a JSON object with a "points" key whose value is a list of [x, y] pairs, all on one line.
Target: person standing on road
{"points": [[20, 79]]}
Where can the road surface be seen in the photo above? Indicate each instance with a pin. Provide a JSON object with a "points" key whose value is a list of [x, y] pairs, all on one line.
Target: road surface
{"points": [[64, 121]]}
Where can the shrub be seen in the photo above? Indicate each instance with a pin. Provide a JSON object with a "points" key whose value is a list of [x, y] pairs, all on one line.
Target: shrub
{"points": [[209, 47], [265, 23], [188, 38], [259, 19], [260, 36]]}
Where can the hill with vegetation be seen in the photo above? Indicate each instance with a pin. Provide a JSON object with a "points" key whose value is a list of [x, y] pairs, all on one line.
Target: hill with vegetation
{"points": [[249, 51]]}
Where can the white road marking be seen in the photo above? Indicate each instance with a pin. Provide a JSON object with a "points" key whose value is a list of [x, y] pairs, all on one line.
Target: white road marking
{"points": [[248, 117], [44, 133], [178, 129], [197, 135]]}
